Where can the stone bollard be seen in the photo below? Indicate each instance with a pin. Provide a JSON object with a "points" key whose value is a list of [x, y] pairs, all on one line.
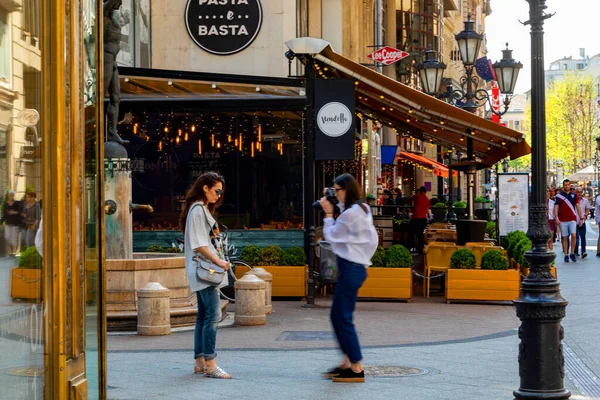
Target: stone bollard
{"points": [[154, 317], [250, 301], [268, 278]]}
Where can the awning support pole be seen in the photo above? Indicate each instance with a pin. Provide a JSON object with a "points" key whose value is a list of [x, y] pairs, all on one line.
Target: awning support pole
{"points": [[309, 182]]}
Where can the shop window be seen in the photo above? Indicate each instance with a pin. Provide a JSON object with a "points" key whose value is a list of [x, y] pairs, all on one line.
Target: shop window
{"points": [[5, 47], [31, 19], [134, 17]]}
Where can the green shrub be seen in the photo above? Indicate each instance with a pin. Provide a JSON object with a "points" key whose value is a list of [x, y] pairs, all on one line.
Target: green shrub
{"points": [[271, 255], [155, 248], [294, 257], [172, 250], [30, 259], [522, 246], [490, 229], [439, 205], [459, 204], [479, 199], [434, 200], [370, 197], [494, 259], [251, 254], [398, 256], [378, 259], [513, 238], [463, 259]]}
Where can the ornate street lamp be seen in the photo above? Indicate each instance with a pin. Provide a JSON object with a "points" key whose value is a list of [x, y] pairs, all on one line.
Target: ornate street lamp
{"points": [[431, 72], [540, 307], [469, 43], [507, 71]]}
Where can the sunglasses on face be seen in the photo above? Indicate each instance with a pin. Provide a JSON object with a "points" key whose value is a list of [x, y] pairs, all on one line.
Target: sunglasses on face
{"points": [[219, 192]]}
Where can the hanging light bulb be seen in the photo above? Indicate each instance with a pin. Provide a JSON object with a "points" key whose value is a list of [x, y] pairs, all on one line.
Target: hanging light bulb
{"points": [[218, 145], [257, 146], [199, 146], [179, 132], [135, 128], [259, 132], [160, 145], [212, 140], [236, 142], [185, 137], [228, 138], [166, 129], [193, 128]]}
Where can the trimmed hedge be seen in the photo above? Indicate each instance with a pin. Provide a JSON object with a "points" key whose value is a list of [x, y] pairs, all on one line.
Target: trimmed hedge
{"points": [[494, 260], [463, 259]]}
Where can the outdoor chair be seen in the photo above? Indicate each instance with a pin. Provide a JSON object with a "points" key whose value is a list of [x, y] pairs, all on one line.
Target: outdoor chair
{"points": [[437, 259]]}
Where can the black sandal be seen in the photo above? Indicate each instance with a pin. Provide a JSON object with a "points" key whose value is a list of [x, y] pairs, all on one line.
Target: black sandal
{"points": [[350, 376]]}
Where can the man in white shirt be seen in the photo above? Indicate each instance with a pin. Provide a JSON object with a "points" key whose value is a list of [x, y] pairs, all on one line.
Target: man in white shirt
{"points": [[584, 207]]}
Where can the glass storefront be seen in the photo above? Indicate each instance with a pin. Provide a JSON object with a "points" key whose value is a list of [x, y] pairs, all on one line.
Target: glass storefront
{"points": [[49, 277], [22, 195]]}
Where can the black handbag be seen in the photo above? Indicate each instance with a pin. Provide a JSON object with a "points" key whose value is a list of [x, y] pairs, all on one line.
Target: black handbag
{"points": [[208, 272]]}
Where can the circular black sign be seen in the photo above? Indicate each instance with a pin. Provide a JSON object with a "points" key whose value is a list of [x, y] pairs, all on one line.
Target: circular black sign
{"points": [[223, 27]]}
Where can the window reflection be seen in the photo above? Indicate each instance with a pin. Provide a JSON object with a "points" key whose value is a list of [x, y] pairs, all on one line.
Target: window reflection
{"points": [[134, 18]]}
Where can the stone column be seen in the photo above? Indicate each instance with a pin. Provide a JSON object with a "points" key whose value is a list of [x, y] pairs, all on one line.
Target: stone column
{"points": [[117, 196], [154, 317], [250, 301], [264, 275]]}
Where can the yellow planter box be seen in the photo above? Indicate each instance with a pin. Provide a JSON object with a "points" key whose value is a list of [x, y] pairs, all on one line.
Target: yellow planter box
{"points": [[26, 283], [482, 285], [287, 281], [525, 271], [387, 283]]}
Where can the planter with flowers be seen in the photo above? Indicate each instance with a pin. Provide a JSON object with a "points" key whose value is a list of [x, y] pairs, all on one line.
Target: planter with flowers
{"points": [[493, 282], [390, 276]]}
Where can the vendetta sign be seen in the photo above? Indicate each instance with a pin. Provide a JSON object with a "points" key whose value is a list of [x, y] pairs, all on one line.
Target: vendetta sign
{"points": [[334, 128], [223, 27]]}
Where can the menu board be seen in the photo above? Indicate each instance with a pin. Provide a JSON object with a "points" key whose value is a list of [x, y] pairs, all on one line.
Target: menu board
{"points": [[513, 203]]}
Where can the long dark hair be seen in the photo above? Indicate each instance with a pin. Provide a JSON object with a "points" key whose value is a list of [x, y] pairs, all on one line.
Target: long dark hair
{"points": [[350, 185], [196, 193]]}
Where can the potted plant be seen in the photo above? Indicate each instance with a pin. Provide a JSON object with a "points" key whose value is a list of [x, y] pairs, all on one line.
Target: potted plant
{"points": [[155, 248], [439, 212], [26, 280], [288, 268], [390, 276], [487, 204], [371, 200], [460, 209], [491, 229], [478, 202], [493, 282]]}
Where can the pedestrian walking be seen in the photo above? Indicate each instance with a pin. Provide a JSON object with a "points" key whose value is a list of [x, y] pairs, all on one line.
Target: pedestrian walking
{"points": [[388, 200], [597, 212], [566, 214], [418, 221], [353, 240], [32, 213], [11, 215], [551, 223], [584, 207], [203, 242]]}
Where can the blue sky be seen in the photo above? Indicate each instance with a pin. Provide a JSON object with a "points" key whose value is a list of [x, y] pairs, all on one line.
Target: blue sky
{"points": [[575, 25]]}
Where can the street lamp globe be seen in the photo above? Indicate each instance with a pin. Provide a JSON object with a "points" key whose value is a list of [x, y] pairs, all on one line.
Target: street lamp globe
{"points": [[507, 72], [469, 42], [431, 72]]}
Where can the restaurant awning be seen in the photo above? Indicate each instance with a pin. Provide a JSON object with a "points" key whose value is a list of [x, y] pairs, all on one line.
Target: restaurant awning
{"points": [[437, 168], [409, 111]]}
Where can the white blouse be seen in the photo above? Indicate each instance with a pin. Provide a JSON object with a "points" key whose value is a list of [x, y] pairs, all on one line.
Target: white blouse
{"points": [[352, 235], [197, 234]]}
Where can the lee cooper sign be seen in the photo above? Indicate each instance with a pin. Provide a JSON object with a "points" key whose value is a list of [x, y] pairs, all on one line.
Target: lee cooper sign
{"points": [[334, 107], [223, 27]]}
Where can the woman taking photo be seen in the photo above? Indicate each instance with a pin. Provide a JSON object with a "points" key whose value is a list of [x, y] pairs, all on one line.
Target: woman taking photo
{"points": [[353, 240], [202, 238]]}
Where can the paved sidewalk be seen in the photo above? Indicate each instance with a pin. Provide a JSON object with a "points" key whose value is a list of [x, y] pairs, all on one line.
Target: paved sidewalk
{"points": [[468, 351]]}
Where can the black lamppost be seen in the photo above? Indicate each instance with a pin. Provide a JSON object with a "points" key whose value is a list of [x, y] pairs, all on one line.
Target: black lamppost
{"points": [[540, 306]]}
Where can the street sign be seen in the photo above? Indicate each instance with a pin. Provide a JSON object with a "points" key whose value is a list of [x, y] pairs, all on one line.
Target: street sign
{"points": [[387, 55]]}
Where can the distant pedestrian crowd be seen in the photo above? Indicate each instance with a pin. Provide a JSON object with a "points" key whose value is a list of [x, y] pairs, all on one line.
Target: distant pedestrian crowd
{"points": [[21, 219], [568, 209]]}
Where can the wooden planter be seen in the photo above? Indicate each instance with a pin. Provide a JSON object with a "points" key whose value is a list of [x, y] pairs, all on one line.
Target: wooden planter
{"points": [[26, 283], [387, 283], [482, 285], [287, 281]]}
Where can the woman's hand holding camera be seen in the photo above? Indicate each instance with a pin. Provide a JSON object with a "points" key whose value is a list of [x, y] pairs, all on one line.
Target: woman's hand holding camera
{"points": [[326, 204]]}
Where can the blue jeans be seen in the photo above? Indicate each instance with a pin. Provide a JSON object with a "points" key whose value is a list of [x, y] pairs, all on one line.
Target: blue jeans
{"points": [[207, 321], [581, 238], [350, 279]]}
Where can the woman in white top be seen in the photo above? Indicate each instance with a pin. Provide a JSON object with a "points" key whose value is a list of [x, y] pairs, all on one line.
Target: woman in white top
{"points": [[202, 237], [353, 240]]}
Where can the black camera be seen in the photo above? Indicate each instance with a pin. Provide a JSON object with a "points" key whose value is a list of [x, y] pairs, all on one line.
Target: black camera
{"points": [[330, 195]]}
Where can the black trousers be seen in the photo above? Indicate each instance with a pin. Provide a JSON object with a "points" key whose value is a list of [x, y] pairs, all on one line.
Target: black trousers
{"points": [[417, 229]]}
